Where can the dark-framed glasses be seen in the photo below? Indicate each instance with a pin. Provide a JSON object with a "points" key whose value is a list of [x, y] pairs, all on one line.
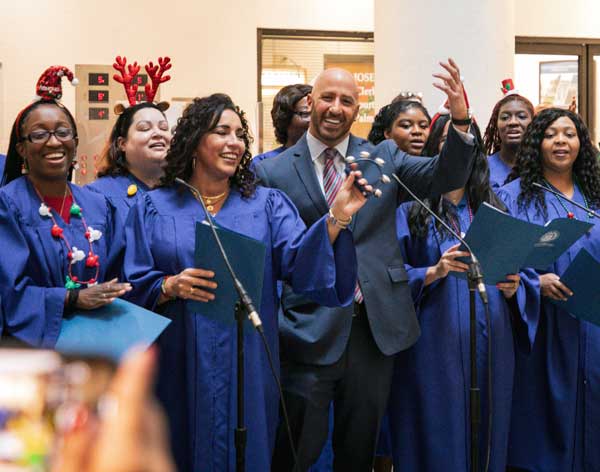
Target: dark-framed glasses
{"points": [[42, 136], [304, 115]]}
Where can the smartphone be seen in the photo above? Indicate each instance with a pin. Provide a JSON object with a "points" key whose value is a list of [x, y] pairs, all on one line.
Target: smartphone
{"points": [[39, 392]]}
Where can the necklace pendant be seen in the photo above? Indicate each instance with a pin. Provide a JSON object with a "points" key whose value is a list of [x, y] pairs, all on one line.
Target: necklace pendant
{"points": [[570, 215], [56, 231], [44, 210], [75, 209], [132, 190], [71, 284], [210, 208]]}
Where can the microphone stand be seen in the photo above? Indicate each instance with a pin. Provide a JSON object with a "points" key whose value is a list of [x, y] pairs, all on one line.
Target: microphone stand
{"points": [[560, 195], [242, 307], [475, 281]]}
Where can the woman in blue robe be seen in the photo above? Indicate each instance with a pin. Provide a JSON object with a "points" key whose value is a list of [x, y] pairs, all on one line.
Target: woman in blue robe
{"points": [[197, 373], [134, 157], [556, 404], [429, 400], [55, 235], [504, 133]]}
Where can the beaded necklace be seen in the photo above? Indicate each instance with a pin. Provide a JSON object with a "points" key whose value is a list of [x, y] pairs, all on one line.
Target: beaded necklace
{"points": [[570, 214], [74, 254], [454, 222]]}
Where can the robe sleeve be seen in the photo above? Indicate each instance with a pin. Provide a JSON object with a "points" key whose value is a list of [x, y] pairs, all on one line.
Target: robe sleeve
{"points": [[306, 259], [115, 229], [526, 309], [139, 268], [416, 275], [32, 313], [526, 305]]}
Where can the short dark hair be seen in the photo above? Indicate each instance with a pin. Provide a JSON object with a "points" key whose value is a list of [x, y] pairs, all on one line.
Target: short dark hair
{"points": [[200, 117], [14, 161], [283, 108], [114, 161], [387, 115]]}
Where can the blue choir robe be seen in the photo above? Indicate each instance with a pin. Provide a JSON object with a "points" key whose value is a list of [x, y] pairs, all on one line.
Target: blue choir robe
{"points": [[33, 266], [267, 155], [429, 400], [499, 170], [114, 188], [556, 405], [2, 164], [197, 371]]}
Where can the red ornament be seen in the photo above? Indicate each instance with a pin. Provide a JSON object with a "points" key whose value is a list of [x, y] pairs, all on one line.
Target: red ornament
{"points": [[87, 235], [570, 215], [74, 278], [56, 231], [92, 281], [92, 261], [69, 255]]}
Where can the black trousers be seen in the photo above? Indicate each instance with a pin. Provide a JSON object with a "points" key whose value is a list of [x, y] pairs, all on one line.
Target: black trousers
{"points": [[358, 384]]}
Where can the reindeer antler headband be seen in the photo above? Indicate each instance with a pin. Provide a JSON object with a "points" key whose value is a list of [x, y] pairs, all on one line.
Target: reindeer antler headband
{"points": [[128, 73]]}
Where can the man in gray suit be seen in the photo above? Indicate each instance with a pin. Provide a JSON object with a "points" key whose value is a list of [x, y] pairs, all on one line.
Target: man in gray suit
{"points": [[345, 355]]}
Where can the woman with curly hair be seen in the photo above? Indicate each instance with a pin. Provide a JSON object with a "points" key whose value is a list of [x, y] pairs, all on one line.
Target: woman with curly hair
{"points": [[504, 134], [427, 405], [555, 421], [210, 150], [134, 157], [291, 117], [406, 122]]}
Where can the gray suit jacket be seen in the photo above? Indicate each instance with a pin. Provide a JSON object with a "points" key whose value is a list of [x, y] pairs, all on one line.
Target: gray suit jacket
{"points": [[314, 334]]}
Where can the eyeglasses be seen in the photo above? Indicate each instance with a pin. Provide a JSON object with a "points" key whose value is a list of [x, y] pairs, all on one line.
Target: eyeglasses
{"points": [[42, 136], [305, 115]]}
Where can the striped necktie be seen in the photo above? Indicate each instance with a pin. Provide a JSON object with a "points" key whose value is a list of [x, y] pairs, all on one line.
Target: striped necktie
{"points": [[332, 182]]}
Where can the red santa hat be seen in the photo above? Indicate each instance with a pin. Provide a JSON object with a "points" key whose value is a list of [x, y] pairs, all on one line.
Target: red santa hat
{"points": [[49, 85], [508, 87]]}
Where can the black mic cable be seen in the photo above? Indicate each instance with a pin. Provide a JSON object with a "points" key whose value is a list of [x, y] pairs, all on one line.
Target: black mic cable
{"points": [[476, 274], [560, 195], [249, 307]]}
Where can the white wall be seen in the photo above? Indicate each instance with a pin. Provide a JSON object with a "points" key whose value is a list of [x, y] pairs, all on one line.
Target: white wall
{"points": [[411, 38], [558, 18], [212, 44]]}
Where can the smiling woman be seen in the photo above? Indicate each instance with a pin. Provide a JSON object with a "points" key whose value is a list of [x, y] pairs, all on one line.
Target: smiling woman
{"points": [[557, 385], [134, 157], [56, 236], [210, 151]]}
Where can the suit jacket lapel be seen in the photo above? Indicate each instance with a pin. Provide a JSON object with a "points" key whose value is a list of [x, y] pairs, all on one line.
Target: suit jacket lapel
{"points": [[306, 172]]}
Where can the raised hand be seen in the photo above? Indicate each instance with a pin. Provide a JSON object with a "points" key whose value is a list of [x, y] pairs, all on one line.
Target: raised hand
{"points": [[452, 86]]}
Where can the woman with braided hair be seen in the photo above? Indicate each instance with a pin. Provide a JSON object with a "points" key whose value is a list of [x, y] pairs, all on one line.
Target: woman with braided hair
{"points": [[556, 416], [504, 134], [210, 150]]}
